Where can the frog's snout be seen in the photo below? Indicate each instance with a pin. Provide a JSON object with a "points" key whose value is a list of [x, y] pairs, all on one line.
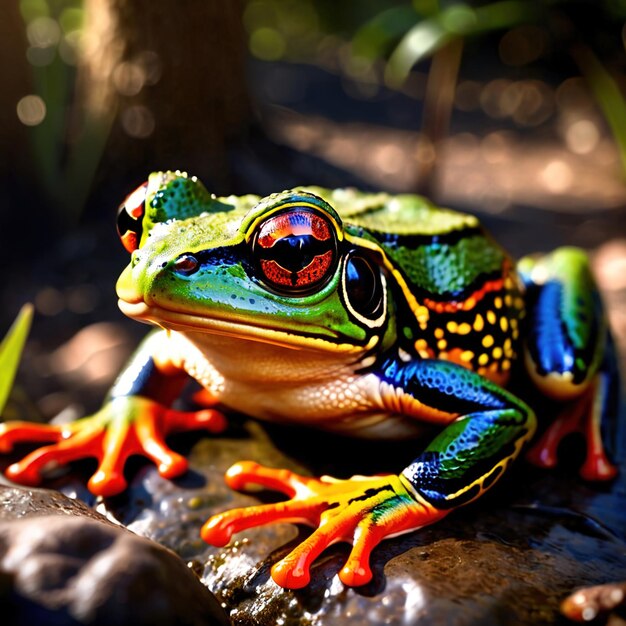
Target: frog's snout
{"points": [[126, 288]]}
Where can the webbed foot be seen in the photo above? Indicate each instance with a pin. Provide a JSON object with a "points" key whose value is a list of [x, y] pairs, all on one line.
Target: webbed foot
{"points": [[583, 417], [360, 510], [124, 426]]}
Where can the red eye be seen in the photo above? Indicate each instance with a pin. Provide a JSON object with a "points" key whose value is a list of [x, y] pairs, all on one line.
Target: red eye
{"points": [[296, 250], [129, 218]]}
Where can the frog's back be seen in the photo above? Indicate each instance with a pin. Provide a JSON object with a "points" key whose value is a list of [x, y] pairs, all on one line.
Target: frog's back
{"points": [[403, 214], [457, 291], [442, 253]]}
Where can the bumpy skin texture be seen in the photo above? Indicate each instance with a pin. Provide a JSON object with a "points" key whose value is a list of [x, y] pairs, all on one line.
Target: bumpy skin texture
{"points": [[357, 312]]}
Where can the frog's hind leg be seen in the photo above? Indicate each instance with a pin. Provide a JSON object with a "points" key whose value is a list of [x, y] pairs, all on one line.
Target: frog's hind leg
{"points": [[485, 428], [569, 356]]}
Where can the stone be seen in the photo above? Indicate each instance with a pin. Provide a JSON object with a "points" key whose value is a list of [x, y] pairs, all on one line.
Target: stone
{"points": [[510, 558], [63, 563]]}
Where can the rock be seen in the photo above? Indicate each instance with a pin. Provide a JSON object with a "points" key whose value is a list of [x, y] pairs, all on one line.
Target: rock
{"points": [[510, 558], [63, 563]]}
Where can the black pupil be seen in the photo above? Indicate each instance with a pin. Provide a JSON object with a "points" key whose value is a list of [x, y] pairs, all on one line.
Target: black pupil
{"points": [[126, 222], [363, 286], [186, 264], [295, 252]]}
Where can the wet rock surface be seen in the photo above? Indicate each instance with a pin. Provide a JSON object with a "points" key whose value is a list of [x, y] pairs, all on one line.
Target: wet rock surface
{"points": [[511, 558], [62, 563]]}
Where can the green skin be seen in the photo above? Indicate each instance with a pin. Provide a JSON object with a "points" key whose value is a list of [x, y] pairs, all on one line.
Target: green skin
{"points": [[378, 314]]}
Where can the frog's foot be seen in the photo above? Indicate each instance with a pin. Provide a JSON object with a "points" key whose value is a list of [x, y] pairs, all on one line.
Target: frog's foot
{"points": [[589, 603], [583, 417], [361, 511], [125, 426], [204, 397]]}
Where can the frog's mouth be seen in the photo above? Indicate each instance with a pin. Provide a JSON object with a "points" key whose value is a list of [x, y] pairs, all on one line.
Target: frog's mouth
{"points": [[190, 322]]}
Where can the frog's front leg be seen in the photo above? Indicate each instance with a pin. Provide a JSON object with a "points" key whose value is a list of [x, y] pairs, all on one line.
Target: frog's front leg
{"points": [[135, 419], [569, 356], [486, 429]]}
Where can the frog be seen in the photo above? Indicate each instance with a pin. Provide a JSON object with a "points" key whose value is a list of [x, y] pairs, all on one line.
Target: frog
{"points": [[364, 314]]}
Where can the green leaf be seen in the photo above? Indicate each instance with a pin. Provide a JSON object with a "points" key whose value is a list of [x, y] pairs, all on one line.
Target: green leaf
{"points": [[11, 351], [459, 20], [607, 93], [376, 37]]}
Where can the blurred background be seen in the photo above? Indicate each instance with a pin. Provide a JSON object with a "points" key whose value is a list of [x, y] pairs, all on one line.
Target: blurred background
{"points": [[514, 110]]}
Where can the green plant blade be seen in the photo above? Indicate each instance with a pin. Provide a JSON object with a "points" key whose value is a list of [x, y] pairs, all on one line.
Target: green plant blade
{"points": [[375, 38], [11, 351], [607, 93], [458, 20]]}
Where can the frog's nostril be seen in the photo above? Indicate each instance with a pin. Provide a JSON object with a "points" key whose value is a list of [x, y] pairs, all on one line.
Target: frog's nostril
{"points": [[186, 264]]}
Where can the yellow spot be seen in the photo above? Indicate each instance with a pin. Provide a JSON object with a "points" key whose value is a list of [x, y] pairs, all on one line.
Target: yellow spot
{"points": [[488, 341], [497, 352], [508, 283], [439, 333], [483, 359], [422, 314], [513, 323], [508, 299], [441, 344], [497, 302], [519, 303], [421, 344], [479, 323], [515, 334], [467, 356], [508, 352], [470, 303], [504, 324], [464, 329], [506, 365], [452, 326], [491, 317]]}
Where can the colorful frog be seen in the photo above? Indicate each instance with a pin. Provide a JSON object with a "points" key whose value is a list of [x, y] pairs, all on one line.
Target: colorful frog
{"points": [[363, 314]]}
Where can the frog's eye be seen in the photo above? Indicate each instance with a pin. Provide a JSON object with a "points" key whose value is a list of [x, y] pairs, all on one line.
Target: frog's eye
{"points": [[186, 264], [364, 288], [296, 250], [129, 218]]}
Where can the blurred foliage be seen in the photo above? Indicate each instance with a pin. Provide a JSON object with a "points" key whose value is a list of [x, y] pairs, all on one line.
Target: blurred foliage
{"points": [[382, 41], [372, 41], [67, 144], [11, 351]]}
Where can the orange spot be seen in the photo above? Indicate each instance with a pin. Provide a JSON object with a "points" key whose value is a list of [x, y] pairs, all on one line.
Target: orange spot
{"points": [[129, 241], [469, 303], [495, 376], [456, 355], [498, 284]]}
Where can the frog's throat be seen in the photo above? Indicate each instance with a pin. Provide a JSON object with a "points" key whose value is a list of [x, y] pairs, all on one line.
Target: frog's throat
{"points": [[176, 320]]}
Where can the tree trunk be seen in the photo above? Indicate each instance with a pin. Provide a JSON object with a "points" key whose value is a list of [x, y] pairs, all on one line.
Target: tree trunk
{"points": [[15, 80], [168, 79]]}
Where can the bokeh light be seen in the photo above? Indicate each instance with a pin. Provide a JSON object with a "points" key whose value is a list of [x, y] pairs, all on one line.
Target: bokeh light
{"points": [[557, 176], [31, 110], [582, 136], [138, 121]]}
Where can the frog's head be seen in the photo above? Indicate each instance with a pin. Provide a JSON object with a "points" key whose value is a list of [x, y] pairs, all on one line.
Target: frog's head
{"points": [[281, 270]]}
